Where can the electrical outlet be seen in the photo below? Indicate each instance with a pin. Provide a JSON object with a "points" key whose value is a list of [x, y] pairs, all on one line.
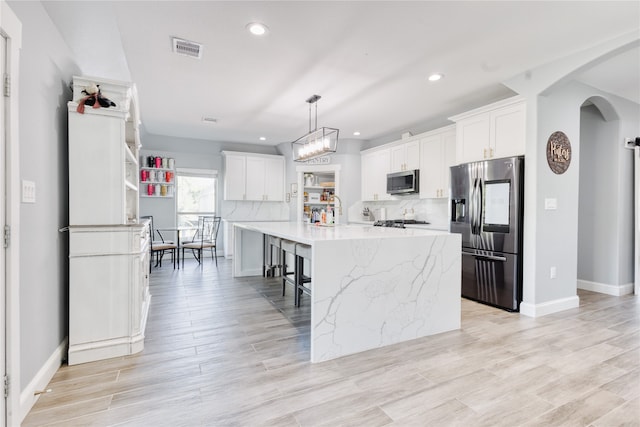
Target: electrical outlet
{"points": [[552, 272], [288, 197], [28, 191]]}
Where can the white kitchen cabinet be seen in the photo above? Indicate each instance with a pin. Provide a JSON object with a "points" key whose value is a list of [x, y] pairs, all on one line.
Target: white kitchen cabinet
{"points": [[108, 248], [437, 154], [405, 156], [494, 131], [274, 179], [235, 176], [255, 184], [375, 165], [253, 177], [108, 291]]}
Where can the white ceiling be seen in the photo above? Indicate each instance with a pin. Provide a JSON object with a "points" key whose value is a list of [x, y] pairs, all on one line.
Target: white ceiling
{"points": [[368, 60]]}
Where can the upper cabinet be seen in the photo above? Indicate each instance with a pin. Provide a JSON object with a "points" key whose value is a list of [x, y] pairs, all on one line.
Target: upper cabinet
{"points": [[405, 156], [437, 154], [253, 177], [104, 149], [494, 131], [376, 164]]}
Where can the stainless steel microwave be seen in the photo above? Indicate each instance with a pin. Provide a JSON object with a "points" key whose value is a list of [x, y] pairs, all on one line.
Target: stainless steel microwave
{"points": [[405, 182]]}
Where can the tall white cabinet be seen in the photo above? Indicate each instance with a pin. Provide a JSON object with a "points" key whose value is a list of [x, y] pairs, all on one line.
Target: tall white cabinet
{"points": [[108, 246], [437, 155], [375, 165]]}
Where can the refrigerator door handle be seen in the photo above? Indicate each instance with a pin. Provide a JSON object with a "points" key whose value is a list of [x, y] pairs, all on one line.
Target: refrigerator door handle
{"points": [[487, 257], [479, 196], [473, 206]]}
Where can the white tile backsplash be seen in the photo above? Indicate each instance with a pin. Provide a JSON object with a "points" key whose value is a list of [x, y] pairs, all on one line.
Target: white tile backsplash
{"points": [[434, 211], [254, 211]]}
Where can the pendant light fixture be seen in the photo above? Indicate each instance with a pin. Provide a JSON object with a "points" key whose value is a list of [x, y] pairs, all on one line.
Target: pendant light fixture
{"points": [[316, 143]]}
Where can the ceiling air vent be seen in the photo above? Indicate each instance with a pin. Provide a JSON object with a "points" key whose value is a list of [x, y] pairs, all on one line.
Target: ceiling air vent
{"points": [[188, 48]]}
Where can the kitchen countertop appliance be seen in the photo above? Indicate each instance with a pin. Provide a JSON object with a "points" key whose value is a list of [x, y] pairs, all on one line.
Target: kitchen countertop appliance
{"points": [[398, 223], [487, 205]]}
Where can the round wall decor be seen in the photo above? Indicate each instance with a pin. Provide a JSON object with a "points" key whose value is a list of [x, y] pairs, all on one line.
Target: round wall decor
{"points": [[558, 152]]}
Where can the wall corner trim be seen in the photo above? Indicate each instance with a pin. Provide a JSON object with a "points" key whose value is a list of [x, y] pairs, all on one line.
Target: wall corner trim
{"points": [[28, 398], [549, 307]]}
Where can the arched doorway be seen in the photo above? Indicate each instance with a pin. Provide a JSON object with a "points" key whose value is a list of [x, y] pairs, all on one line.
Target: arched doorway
{"points": [[605, 211]]}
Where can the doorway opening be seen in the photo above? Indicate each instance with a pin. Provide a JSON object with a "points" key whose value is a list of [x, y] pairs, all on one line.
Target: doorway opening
{"points": [[605, 207]]}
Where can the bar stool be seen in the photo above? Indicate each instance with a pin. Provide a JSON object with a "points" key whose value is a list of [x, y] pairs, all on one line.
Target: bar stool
{"points": [[269, 265], [303, 282], [288, 276]]}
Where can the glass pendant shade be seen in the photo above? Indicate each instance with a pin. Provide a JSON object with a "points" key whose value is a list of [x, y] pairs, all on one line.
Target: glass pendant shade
{"points": [[317, 143]]}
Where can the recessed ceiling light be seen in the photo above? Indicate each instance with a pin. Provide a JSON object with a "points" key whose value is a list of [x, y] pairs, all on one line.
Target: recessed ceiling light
{"points": [[257, 29], [435, 77], [262, 138], [356, 133]]}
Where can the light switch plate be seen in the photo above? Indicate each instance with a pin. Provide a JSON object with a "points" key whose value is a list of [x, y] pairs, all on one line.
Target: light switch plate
{"points": [[551, 204], [28, 191]]}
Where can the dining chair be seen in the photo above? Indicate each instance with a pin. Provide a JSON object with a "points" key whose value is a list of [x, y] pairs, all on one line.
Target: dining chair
{"points": [[153, 229], [204, 238], [159, 247]]}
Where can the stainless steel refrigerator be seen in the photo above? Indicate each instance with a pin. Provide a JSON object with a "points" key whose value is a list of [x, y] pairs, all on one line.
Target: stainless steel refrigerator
{"points": [[487, 200]]}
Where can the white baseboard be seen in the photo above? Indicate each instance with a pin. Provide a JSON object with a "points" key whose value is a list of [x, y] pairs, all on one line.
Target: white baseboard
{"points": [[549, 307], [28, 398], [604, 288]]}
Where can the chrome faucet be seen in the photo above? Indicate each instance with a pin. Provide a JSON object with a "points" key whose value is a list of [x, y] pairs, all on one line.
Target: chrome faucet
{"points": [[339, 207]]}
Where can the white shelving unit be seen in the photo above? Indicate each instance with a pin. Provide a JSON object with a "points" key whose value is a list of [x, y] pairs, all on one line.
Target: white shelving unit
{"points": [[158, 181], [325, 181], [108, 247]]}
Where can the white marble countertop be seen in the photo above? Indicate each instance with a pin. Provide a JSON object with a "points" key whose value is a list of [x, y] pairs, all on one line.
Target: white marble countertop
{"points": [[310, 233]]}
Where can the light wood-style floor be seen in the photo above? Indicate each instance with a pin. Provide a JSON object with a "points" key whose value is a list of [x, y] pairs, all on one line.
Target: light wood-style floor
{"points": [[223, 351]]}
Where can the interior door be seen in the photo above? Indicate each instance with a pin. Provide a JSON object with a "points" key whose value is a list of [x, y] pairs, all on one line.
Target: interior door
{"points": [[637, 197], [3, 216]]}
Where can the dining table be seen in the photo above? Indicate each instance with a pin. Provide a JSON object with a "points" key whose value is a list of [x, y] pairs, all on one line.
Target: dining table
{"points": [[177, 230]]}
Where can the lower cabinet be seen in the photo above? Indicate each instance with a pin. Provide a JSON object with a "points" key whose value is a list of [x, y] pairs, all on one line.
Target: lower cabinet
{"points": [[108, 291]]}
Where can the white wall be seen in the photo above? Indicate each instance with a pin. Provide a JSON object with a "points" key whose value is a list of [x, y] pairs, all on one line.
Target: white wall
{"points": [[46, 68], [554, 99], [557, 230]]}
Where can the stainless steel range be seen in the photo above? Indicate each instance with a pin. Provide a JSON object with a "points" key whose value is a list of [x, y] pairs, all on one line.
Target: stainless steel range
{"points": [[397, 223]]}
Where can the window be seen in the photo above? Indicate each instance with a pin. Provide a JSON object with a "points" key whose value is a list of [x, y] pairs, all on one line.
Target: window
{"points": [[196, 195]]}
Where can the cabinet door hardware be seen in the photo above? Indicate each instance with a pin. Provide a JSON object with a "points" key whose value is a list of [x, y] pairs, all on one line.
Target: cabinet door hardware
{"points": [[7, 236], [7, 85]]}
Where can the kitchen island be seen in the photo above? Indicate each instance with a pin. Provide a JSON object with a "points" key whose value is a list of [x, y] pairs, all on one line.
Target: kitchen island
{"points": [[371, 286]]}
